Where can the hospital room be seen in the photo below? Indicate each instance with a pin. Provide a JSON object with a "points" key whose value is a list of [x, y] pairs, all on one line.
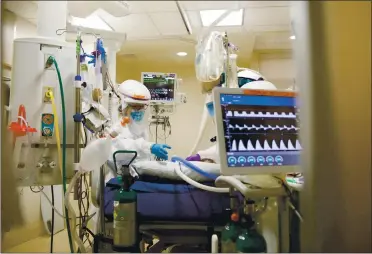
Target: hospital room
{"points": [[186, 127]]}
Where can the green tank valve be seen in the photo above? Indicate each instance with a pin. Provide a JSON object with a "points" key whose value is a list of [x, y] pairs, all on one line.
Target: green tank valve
{"points": [[230, 234], [250, 240]]}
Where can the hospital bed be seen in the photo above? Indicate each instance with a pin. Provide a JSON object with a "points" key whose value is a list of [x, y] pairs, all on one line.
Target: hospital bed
{"points": [[175, 213], [171, 211]]}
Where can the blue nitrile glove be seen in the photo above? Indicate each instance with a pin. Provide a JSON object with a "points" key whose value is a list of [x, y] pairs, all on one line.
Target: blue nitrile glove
{"points": [[159, 150]]}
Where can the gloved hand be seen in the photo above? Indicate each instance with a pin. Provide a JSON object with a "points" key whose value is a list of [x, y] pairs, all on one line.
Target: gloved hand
{"points": [[159, 150], [195, 157]]}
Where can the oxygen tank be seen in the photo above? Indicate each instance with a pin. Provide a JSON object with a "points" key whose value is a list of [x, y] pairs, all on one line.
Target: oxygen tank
{"points": [[125, 218], [230, 234], [250, 240]]}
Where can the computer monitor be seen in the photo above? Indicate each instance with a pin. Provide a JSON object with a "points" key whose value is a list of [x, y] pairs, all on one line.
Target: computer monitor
{"points": [[257, 131], [161, 85]]}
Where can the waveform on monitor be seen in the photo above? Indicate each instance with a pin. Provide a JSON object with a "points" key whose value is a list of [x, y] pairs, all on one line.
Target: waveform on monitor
{"points": [[262, 127], [260, 114], [240, 145]]}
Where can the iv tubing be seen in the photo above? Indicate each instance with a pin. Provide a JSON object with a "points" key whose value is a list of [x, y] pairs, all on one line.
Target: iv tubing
{"points": [[52, 60], [73, 215], [195, 168]]}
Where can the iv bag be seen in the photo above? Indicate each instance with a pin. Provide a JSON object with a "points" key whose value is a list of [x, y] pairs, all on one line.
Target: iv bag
{"points": [[209, 60]]}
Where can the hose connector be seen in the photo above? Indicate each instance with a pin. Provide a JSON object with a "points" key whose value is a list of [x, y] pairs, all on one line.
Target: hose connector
{"points": [[49, 62]]}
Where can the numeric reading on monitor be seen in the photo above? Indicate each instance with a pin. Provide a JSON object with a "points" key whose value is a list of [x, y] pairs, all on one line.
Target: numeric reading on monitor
{"points": [[260, 130], [161, 86]]}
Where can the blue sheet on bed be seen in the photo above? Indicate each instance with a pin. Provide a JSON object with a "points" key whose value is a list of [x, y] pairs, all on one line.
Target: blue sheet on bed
{"points": [[165, 201]]}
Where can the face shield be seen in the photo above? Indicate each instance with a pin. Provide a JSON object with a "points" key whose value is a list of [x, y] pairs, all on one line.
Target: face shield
{"points": [[242, 81]]}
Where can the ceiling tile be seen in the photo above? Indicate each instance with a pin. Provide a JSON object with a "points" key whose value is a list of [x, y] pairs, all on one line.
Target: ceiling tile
{"points": [[273, 41], [209, 5], [194, 19], [246, 4], [152, 6], [267, 16], [135, 25], [169, 23], [270, 28]]}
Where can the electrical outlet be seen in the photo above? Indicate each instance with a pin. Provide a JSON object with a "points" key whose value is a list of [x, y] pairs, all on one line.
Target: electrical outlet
{"points": [[47, 99]]}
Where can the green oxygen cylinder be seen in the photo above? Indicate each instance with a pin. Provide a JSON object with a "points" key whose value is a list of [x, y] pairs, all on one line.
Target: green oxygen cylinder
{"points": [[230, 234], [250, 240], [125, 218]]}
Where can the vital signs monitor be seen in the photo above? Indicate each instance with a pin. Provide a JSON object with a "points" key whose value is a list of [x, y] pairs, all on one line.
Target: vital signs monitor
{"points": [[161, 85], [258, 131]]}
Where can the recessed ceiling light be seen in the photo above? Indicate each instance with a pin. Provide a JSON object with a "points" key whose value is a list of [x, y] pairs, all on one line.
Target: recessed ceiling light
{"points": [[181, 54], [292, 37], [235, 18]]}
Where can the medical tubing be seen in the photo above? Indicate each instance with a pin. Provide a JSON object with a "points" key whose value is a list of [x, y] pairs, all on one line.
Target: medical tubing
{"points": [[26, 125], [198, 185], [50, 202], [69, 207], [50, 60], [195, 168], [58, 137]]}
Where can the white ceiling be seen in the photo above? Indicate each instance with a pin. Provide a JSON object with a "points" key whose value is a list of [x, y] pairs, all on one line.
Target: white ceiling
{"points": [[156, 28]]}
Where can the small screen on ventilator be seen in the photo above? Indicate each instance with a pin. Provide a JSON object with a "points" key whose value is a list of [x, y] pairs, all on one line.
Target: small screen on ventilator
{"points": [[160, 85], [260, 130]]}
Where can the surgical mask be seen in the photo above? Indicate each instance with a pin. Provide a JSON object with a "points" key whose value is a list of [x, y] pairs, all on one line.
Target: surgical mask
{"points": [[137, 116], [210, 108]]}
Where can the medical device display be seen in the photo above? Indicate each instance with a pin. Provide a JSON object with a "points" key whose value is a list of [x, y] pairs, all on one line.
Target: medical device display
{"points": [[161, 85], [260, 129]]}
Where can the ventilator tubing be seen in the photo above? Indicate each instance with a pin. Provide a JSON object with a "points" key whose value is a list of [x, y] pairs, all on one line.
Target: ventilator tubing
{"points": [[194, 183], [195, 168], [202, 125]]}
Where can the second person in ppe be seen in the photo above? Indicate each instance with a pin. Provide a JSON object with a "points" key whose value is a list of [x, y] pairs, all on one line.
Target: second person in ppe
{"points": [[134, 136]]}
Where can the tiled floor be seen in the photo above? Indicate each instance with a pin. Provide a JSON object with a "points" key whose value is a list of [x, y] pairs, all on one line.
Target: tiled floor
{"points": [[42, 244]]}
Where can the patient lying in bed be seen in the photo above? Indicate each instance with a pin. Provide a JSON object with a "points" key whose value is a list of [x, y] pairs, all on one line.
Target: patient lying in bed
{"points": [[166, 169]]}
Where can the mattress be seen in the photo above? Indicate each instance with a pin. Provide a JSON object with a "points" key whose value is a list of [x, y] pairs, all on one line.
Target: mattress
{"points": [[165, 201]]}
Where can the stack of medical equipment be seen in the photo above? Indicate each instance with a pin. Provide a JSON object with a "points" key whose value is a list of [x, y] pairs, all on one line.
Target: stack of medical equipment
{"points": [[165, 96]]}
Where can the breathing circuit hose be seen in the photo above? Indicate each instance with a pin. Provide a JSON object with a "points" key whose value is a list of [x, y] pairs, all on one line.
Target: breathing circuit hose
{"points": [[200, 171], [195, 168], [51, 60]]}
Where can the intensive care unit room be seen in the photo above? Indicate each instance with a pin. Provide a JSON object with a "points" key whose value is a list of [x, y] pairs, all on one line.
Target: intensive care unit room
{"points": [[186, 127]]}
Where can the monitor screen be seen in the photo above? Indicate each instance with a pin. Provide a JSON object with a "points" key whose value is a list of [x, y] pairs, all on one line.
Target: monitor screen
{"points": [[161, 85], [260, 130]]}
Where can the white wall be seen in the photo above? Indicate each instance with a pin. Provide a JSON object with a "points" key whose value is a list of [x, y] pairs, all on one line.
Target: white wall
{"points": [[7, 36], [15, 27]]}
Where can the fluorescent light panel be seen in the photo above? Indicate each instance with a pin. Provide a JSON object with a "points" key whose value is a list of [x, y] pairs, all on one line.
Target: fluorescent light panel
{"points": [[92, 21], [235, 18]]}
